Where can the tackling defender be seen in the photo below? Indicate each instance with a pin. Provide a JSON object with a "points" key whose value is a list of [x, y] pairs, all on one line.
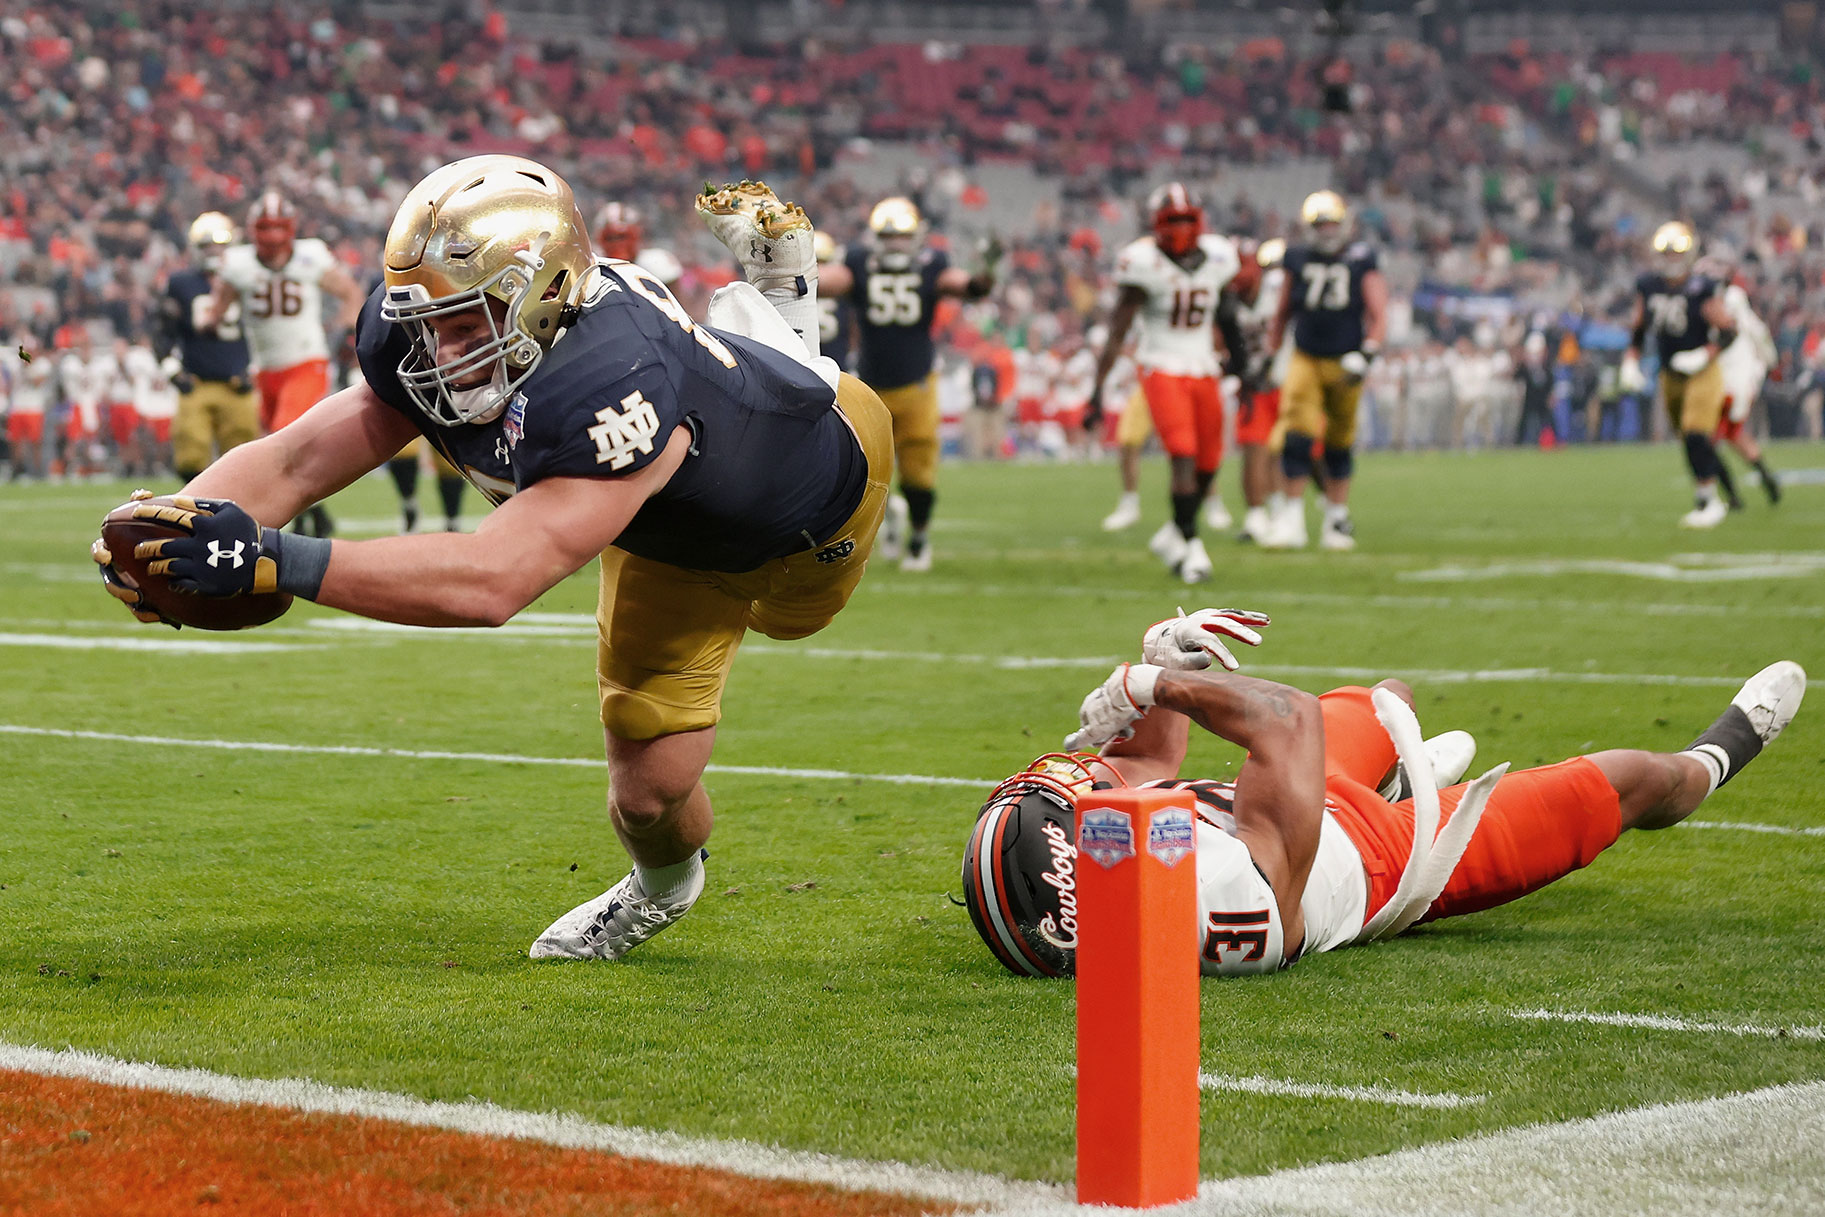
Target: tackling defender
{"points": [[1745, 365], [1335, 830], [894, 283], [1183, 284], [1691, 324], [1336, 301], [727, 480]]}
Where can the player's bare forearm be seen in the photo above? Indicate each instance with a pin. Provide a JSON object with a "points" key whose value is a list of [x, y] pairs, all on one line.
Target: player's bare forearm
{"points": [[835, 280], [1375, 307], [438, 579]]}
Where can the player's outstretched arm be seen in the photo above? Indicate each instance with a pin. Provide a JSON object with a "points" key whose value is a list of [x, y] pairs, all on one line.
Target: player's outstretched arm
{"points": [[334, 442], [525, 547]]}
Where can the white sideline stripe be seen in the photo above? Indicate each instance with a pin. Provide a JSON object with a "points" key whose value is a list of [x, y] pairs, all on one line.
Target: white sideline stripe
{"points": [[1744, 568], [551, 1128], [1736, 826], [166, 645], [1745, 1153], [1661, 1022], [1358, 1094], [504, 758]]}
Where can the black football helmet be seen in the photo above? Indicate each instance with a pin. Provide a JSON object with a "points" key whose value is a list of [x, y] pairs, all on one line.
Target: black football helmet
{"points": [[1020, 866]]}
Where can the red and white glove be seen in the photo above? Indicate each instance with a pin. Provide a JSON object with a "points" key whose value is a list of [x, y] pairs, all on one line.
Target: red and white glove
{"points": [[1192, 641], [1111, 710]]}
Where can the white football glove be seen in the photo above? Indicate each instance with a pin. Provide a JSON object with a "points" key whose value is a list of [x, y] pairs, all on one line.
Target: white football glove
{"points": [[1111, 710], [1191, 641], [1629, 377], [1692, 362]]}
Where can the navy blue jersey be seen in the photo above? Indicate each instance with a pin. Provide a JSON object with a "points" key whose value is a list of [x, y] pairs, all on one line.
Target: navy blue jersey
{"points": [[1325, 291], [1675, 312], [773, 467], [893, 316], [207, 354], [836, 330]]}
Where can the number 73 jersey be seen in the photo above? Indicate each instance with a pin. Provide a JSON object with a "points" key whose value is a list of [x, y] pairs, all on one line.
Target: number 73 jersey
{"points": [[281, 309], [1181, 309]]}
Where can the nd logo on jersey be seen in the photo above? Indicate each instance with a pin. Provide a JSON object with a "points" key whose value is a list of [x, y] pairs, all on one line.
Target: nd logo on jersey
{"points": [[620, 433]]}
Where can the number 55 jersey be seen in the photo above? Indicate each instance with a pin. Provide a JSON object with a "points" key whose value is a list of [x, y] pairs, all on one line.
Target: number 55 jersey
{"points": [[893, 299]]}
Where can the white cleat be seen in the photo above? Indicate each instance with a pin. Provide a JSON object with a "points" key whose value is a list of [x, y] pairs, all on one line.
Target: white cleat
{"points": [[1255, 524], [1708, 514], [1127, 514], [1168, 544], [773, 240], [612, 924], [890, 541], [1216, 515], [917, 563], [1287, 530], [1451, 753], [1196, 566], [1771, 698], [1338, 534]]}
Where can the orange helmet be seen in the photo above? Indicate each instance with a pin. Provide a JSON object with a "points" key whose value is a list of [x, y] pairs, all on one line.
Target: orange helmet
{"points": [[618, 233], [1178, 219], [272, 225]]}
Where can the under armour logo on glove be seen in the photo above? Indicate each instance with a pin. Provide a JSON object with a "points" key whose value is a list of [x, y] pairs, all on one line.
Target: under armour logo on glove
{"points": [[217, 552]]}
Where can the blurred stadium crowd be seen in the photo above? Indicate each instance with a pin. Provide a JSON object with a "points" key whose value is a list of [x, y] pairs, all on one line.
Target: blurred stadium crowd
{"points": [[1511, 191]]}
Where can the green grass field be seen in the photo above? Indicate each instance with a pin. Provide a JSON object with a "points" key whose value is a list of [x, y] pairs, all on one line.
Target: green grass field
{"points": [[363, 920]]}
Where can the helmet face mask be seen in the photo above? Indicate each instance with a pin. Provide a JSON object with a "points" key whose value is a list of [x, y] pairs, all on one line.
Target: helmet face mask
{"points": [[897, 229], [1178, 220], [499, 234]]}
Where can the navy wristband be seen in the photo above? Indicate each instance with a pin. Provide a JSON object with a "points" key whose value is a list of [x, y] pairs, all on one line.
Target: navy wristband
{"points": [[300, 560]]}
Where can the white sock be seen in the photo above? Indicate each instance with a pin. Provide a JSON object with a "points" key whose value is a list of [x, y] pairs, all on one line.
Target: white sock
{"points": [[796, 302], [1715, 760], [669, 882], [1334, 512], [1130, 499]]}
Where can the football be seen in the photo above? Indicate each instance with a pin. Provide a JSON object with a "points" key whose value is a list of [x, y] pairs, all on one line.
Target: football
{"points": [[122, 534]]}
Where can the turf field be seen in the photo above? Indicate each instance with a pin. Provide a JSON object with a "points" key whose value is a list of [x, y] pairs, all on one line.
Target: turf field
{"points": [[361, 917]]}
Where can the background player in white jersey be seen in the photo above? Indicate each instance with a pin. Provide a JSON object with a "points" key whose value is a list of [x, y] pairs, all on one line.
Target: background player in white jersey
{"points": [[1331, 832], [86, 373], [621, 233], [31, 383], [155, 401], [1745, 365], [1071, 389], [279, 280], [1182, 284]]}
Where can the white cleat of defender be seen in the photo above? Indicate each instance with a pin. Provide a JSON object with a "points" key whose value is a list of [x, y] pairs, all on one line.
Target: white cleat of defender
{"points": [[1168, 544], [1771, 698], [1195, 566], [772, 239], [1216, 515], [612, 924]]}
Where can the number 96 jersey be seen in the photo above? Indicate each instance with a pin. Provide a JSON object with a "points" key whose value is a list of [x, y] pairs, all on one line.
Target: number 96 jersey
{"points": [[1181, 308], [282, 309]]}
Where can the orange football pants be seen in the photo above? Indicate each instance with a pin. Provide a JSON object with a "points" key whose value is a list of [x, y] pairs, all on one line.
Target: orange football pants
{"points": [[286, 393], [1256, 416], [1540, 824], [1188, 414]]}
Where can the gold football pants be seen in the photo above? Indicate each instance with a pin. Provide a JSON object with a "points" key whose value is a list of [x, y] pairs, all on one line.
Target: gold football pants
{"points": [[914, 408], [1695, 404], [1319, 400], [211, 419]]}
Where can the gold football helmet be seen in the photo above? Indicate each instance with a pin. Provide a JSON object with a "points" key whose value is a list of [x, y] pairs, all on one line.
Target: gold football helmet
{"points": [[1328, 218], [501, 234], [1271, 254], [1676, 248], [824, 247], [897, 227], [210, 236]]}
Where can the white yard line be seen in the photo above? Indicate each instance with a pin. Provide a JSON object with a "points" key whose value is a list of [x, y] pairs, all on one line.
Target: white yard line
{"points": [[1661, 1022], [1747, 1153], [569, 1131], [1355, 1094], [1734, 826], [497, 758], [164, 643], [1719, 568]]}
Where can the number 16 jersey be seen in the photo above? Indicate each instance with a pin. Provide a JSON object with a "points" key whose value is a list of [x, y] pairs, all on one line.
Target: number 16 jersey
{"points": [[1181, 309]]}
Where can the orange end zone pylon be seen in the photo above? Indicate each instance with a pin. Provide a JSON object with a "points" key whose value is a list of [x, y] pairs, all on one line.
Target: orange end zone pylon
{"points": [[1137, 998]]}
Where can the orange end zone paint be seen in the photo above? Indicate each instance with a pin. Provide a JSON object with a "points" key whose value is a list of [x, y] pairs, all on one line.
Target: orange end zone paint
{"points": [[1137, 998], [75, 1148]]}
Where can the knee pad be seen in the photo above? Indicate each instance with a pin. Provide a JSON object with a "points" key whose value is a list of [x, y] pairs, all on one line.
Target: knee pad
{"points": [[1339, 463], [1296, 456]]}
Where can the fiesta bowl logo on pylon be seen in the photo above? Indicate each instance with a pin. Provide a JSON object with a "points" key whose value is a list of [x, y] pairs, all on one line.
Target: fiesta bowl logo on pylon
{"points": [[1170, 836], [1106, 835]]}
